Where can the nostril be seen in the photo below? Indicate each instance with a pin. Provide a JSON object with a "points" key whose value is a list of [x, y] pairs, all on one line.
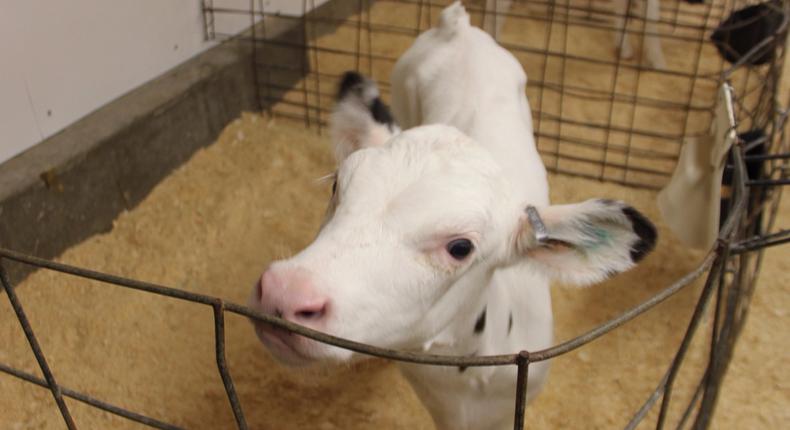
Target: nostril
{"points": [[258, 291], [311, 313]]}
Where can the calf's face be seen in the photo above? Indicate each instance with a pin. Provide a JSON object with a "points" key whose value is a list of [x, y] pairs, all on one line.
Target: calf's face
{"points": [[417, 225]]}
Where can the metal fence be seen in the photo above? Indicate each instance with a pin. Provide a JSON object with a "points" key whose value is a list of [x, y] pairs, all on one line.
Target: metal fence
{"points": [[595, 114], [290, 78]]}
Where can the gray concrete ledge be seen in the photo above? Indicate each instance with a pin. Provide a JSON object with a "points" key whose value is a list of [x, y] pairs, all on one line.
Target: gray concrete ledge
{"points": [[75, 183]]}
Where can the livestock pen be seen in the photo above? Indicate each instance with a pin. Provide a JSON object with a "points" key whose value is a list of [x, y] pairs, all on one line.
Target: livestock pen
{"points": [[603, 124]]}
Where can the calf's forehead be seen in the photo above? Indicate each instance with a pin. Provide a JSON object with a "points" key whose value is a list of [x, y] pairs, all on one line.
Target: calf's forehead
{"points": [[436, 175], [417, 152]]}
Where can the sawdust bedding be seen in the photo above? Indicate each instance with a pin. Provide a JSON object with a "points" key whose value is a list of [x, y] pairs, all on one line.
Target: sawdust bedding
{"points": [[253, 197]]}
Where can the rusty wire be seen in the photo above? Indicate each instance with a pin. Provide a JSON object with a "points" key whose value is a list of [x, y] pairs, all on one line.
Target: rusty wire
{"points": [[716, 257]]}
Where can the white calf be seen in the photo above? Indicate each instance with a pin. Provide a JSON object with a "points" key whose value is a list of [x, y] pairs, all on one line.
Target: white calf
{"points": [[427, 246], [653, 54]]}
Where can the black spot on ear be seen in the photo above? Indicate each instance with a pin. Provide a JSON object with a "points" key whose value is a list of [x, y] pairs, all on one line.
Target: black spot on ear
{"points": [[510, 323], [646, 232], [480, 324], [351, 80]]}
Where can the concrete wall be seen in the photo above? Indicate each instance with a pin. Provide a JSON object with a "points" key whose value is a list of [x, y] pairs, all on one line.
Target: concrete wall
{"points": [[73, 184], [61, 60]]}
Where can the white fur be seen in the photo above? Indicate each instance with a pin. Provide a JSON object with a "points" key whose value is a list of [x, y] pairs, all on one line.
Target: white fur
{"points": [[466, 166], [653, 54]]}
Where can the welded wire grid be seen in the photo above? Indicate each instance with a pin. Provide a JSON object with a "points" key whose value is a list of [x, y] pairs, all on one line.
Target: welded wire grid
{"points": [[290, 83], [595, 114]]}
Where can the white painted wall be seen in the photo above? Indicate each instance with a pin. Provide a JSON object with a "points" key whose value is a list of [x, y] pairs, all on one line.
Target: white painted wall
{"points": [[61, 60]]}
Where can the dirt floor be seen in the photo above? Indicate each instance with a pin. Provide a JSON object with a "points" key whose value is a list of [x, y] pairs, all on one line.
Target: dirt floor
{"points": [[215, 223]]}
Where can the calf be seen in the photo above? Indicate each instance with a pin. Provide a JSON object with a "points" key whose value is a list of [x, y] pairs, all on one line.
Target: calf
{"points": [[441, 238]]}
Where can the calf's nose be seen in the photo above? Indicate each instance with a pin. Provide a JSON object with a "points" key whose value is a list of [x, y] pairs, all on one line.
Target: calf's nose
{"points": [[290, 293]]}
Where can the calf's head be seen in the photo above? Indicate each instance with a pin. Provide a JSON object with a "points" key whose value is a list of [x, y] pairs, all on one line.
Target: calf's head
{"points": [[419, 221]]}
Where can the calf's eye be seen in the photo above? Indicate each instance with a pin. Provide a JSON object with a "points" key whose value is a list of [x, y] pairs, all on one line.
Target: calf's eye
{"points": [[460, 248]]}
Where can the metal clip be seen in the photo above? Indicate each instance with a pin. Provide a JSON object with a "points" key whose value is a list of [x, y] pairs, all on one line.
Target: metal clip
{"points": [[541, 234]]}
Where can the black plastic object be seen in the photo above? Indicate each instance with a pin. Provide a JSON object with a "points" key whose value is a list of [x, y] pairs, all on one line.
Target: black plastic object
{"points": [[755, 143], [746, 28]]}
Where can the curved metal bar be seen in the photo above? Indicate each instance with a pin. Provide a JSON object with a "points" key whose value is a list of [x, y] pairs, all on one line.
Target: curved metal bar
{"points": [[53, 386], [405, 356], [96, 403], [630, 314], [757, 243], [222, 365], [442, 360]]}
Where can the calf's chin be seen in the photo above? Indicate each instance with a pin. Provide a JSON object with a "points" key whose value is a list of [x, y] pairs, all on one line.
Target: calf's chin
{"points": [[298, 351]]}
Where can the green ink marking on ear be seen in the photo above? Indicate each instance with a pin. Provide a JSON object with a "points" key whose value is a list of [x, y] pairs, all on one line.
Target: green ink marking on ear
{"points": [[599, 237]]}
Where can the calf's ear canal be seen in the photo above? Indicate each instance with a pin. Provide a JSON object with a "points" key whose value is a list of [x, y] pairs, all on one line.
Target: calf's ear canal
{"points": [[585, 242], [360, 119]]}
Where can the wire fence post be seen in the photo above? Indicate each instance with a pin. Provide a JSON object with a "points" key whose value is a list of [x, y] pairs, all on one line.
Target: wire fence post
{"points": [[34, 345], [522, 361], [222, 365], [716, 272]]}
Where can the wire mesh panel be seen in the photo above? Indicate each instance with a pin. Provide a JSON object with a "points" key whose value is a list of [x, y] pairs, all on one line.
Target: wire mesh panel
{"points": [[597, 113]]}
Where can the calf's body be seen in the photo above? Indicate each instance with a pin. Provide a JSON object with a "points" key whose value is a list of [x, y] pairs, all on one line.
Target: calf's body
{"points": [[456, 74], [427, 245]]}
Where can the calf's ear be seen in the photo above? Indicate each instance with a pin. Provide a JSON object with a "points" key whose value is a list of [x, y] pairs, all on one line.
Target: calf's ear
{"points": [[585, 242], [359, 119]]}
